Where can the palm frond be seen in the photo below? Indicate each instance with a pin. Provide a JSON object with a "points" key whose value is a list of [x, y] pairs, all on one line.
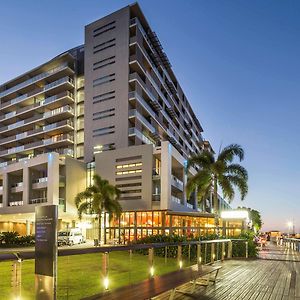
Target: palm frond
{"points": [[240, 183], [229, 152], [84, 207], [227, 188], [202, 160], [200, 181], [236, 169]]}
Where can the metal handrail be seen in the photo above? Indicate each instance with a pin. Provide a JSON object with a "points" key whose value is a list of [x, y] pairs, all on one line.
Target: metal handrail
{"points": [[104, 249]]}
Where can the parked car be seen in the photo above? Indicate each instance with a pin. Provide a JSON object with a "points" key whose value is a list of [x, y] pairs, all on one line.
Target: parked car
{"points": [[70, 237]]}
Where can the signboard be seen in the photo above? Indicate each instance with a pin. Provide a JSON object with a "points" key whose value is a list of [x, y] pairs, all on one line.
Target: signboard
{"points": [[46, 251]]}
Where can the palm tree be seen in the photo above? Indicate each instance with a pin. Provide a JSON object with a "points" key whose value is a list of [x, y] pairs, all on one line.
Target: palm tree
{"points": [[98, 198], [218, 171]]}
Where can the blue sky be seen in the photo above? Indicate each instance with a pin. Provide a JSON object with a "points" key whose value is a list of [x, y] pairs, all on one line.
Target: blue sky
{"points": [[237, 61]]}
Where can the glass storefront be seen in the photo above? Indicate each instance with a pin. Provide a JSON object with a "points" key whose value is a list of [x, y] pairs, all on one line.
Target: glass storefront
{"points": [[133, 225]]}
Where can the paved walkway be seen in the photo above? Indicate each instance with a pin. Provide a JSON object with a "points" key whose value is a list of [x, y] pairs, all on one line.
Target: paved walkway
{"points": [[275, 275]]}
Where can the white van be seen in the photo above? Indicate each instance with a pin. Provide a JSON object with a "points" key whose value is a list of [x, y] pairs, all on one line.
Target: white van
{"points": [[70, 237]]}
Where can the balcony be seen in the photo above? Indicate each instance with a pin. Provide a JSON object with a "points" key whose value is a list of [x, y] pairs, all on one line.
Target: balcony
{"points": [[177, 183], [67, 138], [135, 95], [155, 197], [155, 174], [65, 80], [17, 187], [15, 203], [33, 80], [40, 183], [133, 113], [43, 103], [188, 205], [135, 132], [37, 200], [176, 199]]}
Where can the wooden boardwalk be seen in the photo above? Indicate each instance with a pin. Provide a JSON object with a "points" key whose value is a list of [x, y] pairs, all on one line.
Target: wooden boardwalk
{"points": [[274, 276]]}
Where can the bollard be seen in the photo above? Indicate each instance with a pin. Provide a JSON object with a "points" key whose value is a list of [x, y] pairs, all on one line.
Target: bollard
{"points": [[212, 253], [205, 253], [166, 254], [223, 251], [16, 278], [229, 253], [179, 256], [246, 249], [105, 270], [199, 259], [150, 260]]}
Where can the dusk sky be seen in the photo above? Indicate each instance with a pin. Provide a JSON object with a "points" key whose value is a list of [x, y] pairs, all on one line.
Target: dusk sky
{"points": [[237, 61]]}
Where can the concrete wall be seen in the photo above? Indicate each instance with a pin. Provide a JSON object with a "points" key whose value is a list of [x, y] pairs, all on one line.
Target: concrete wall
{"points": [[106, 42], [106, 167], [75, 183]]}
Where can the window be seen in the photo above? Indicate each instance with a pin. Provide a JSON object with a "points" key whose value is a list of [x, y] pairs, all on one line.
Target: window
{"points": [[103, 114], [129, 165], [100, 30], [103, 131], [104, 97], [104, 79], [104, 62], [129, 172]]}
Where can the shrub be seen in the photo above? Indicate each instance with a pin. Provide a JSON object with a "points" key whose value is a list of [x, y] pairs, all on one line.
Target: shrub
{"points": [[238, 247], [13, 238]]}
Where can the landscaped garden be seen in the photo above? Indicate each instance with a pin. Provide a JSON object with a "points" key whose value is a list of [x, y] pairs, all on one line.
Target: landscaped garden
{"points": [[81, 275]]}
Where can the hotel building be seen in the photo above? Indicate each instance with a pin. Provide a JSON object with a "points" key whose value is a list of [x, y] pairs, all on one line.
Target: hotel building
{"points": [[112, 106]]}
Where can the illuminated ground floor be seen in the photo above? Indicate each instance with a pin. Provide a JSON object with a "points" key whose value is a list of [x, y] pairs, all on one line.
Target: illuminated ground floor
{"points": [[133, 225]]}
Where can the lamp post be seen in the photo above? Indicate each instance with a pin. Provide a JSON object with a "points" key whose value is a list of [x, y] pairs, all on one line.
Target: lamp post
{"points": [[290, 226]]}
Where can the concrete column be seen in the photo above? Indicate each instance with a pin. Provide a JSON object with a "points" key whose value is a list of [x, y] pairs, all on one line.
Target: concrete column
{"points": [[26, 187], [28, 223], [166, 171], [53, 178], [184, 176], [5, 190], [59, 224]]}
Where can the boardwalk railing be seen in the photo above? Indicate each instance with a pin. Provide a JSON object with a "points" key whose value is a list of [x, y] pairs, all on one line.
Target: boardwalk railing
{"points": [[83, 272], [291, 243]]}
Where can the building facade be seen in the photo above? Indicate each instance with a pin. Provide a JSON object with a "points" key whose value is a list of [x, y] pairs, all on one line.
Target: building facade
{"points": [[112, 106]]}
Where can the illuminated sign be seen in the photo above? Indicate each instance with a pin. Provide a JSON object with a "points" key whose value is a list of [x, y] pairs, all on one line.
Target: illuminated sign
{"points": [[234, 214]]}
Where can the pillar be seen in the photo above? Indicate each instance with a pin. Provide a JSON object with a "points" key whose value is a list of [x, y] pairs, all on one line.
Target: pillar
{"points": [[28, 227]]}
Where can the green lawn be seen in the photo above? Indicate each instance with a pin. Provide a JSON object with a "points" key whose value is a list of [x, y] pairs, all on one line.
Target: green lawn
{"points": [[80, 275]]}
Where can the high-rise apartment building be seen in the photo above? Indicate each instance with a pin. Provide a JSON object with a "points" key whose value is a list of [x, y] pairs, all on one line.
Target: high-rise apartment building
{"points": [[112, 106]]}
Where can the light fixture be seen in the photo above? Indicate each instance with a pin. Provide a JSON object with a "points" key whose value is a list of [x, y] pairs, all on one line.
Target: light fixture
{"points": [[106, 282], [152, 271], [180, 264]]}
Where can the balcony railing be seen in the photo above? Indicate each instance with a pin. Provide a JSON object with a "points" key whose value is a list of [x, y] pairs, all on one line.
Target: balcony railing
{"points": [[133, 131], [176, 199], [38, 91], [37, 200], [40, 180], [142, 119], [33, 79], [15, 203], [156, 197], [190, 206], [143, 103], [177, 182]]}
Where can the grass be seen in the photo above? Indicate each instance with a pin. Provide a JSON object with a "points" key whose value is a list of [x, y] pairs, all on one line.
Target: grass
{"points": [[80, 275]]}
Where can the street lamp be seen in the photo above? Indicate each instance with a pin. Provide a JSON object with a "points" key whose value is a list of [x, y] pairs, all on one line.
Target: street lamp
{"points": [[290, 226]]}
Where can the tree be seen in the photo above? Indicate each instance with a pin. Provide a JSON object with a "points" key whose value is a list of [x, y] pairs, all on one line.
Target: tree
{"points": [[218, 171], [255, 217], [98, 198]]}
